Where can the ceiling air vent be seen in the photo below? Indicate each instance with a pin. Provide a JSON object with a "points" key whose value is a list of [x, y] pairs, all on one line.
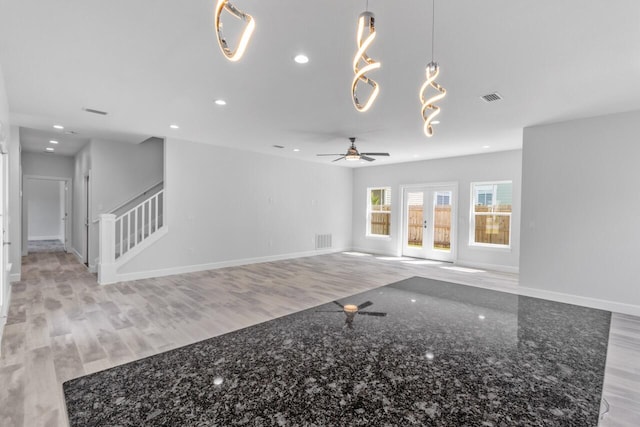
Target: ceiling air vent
{"points": [[491, 97], [91, 110], [278, 146]]}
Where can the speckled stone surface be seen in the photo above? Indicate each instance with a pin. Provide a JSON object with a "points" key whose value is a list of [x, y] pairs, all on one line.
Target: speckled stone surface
{"points": [[443, 355]]}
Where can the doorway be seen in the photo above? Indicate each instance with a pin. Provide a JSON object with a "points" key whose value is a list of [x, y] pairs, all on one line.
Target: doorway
{"points": [[46, 220], [429, 222]]}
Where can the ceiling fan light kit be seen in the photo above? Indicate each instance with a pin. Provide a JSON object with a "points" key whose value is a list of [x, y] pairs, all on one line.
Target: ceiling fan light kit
{"points": [[353, 154], [250, 25]]}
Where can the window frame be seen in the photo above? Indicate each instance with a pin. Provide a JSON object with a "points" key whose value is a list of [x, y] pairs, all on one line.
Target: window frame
{"points": [[370, 211], [473, 213]]}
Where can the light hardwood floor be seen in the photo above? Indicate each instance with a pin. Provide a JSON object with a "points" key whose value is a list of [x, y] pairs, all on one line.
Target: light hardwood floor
{"points": [[62, 324]]}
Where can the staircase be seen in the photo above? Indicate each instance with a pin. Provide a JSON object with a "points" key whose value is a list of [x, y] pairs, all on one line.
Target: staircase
{"points": [[129, 229]]}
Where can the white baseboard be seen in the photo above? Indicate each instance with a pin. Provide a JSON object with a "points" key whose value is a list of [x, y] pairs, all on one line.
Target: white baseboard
{"points": [[77, 255], [613, 306], [138, 275], [61, 238]]}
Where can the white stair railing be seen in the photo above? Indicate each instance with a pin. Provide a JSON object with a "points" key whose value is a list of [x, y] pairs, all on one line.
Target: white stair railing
{"points": [[138, 223], [120, 235]]}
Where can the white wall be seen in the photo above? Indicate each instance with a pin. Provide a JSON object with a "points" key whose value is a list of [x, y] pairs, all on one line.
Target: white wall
{"points": [[43, 204], [15, 204], [47, 165], [4, 174], [501, 166], [581, 208], [82, 166], [225, 206]]}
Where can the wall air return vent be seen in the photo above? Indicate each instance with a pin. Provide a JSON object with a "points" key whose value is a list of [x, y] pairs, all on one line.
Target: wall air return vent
{"points": [[323, 241], [491, 97]]}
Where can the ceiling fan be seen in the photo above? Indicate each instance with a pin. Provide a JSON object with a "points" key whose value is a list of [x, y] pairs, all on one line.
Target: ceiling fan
{"points": [[353, 154], [351, 310]]}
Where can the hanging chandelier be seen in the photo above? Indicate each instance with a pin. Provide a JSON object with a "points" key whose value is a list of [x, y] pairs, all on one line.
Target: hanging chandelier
{"points": [[250, 25], [429, 109], [366, 20]]}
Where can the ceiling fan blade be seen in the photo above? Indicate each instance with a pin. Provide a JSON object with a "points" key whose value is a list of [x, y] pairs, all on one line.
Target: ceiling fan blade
{"points": [[365, 305], [372, 313], [337, 303], [375, 154], [368, 159], [339, 158], [328, 154]]}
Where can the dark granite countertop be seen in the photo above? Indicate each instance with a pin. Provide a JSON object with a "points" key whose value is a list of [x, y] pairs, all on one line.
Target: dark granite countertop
{"points": [[443, 355]]}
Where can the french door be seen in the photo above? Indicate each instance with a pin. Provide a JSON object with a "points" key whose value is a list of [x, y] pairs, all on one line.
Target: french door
{"points": [[429, 222]]}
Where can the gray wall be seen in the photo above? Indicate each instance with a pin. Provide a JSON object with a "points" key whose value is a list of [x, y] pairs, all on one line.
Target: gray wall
{"points": [[501, 166], [43, 202], [581, 202], [229, 205]]}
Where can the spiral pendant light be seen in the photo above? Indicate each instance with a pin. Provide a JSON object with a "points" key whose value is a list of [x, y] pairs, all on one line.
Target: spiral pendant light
{"points": [[366, 21], [250, 25], [429, 108]]}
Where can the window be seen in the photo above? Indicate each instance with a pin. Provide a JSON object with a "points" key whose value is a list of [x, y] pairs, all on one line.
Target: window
{"points": [[491, 214], [379, 212]]}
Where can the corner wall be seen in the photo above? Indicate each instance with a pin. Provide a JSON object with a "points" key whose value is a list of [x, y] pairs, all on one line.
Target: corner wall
{"points": [[581, 207], [227, 207], [500, 166]]}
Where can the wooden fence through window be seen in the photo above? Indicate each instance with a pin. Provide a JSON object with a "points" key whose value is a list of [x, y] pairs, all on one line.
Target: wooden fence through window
{"points": [[441, 229]]}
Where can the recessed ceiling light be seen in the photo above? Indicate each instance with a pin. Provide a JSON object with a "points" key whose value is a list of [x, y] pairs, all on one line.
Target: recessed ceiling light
{"points": [[296, 149], [174, 126], [481, 316], [53, 141], [220, 102], [415, 156], [301, 59], [486, 146], [49, 149], [60, 127]]}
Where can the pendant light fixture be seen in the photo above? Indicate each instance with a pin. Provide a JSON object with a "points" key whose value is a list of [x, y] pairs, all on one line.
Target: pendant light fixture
{"points": [[366, 21], [250, 25], [429, 109]]}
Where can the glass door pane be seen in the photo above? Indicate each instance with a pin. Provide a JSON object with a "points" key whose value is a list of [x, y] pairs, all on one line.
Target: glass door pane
{"points": [[442, 220], [415, 210]]}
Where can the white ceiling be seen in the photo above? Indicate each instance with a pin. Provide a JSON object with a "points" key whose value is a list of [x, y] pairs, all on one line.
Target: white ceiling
{"points": [[150, 63]]}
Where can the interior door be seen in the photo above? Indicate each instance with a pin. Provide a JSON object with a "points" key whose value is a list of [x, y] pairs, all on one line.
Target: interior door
{"points": [[429, 222]]}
